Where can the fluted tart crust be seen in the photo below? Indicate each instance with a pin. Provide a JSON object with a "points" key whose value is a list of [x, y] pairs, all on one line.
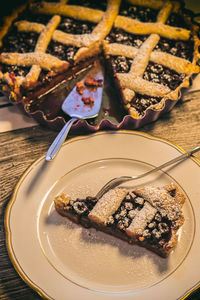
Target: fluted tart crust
{"points": [[150, 48]]}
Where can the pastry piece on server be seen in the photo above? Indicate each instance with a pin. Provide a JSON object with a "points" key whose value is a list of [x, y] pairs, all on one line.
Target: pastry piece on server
{"points": [[147, 216]]}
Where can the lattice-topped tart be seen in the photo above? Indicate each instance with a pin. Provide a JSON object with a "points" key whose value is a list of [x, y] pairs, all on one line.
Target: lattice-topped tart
{"points": [[147, 216], [149, 49]]}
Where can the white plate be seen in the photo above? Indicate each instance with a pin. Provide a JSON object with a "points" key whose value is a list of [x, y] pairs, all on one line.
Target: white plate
{"points": [[61, 260]]}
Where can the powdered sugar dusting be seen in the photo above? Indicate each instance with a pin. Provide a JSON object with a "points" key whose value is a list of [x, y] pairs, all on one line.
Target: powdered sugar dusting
{"points": [[107, 205], [161, 199], [145, 215]]}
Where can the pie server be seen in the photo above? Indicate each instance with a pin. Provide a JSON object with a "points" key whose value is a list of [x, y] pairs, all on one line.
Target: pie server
{"points": [[76, 107]]}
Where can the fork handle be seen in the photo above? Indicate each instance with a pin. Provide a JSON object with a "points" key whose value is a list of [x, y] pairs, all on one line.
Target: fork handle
{"points": [[168, 163], [57, 143], [121, 179]]}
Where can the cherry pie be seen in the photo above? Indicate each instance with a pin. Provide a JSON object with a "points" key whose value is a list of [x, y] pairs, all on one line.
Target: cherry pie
{"points": [[147, 216], [149, 48]]}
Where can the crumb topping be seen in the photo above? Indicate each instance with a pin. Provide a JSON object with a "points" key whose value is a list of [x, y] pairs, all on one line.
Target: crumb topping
{"points": [[80, 87], [88, 100], [92, 82]]}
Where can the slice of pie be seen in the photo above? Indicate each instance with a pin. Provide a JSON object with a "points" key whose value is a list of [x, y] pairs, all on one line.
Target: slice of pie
{"points": [[147, 216], [149, 48]]}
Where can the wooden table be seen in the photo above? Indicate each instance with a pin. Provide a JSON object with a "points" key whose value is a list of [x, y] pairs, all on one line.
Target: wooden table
{"points": [[20, 148]]}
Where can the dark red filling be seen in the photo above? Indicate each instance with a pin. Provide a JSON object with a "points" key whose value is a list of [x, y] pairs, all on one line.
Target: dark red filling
{"points": [[16, 41], [154, 72], [157, 232]]}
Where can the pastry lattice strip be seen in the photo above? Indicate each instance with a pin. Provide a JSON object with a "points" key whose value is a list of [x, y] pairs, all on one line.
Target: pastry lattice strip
{"points": [[175, 63], [46, 32], [99, 32], [126, 23], [41, 47], [155, 4], [38, 59], [105, 22], [170, 61], [133, 79], [157, 199], [146, 214]]}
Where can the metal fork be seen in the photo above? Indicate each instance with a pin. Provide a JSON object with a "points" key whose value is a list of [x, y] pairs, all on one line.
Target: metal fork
{"points": [[121, 179]]}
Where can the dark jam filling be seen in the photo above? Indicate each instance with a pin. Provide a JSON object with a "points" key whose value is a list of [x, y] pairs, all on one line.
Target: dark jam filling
{"points": [[158, 231], [177, 20], [121, 64], [120, 36], [154, 72], [159, 74], [144, 14], [137, 12], [183, 49], [16, 41], [73, 26], [82, 207], [22, 42], [142, 102], [61, 51], [18, 71], [19, 42], [90, 3]]}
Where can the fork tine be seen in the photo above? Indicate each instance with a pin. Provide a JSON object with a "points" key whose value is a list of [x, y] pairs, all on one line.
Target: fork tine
{"points": [[112, 184]]}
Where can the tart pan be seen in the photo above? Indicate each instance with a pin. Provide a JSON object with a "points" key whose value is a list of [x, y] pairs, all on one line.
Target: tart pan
{"points": [[47, 111]]}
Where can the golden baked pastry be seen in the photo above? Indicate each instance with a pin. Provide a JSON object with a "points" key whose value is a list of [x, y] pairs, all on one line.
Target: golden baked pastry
{"points": [[147, 216], [149, 48]]}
